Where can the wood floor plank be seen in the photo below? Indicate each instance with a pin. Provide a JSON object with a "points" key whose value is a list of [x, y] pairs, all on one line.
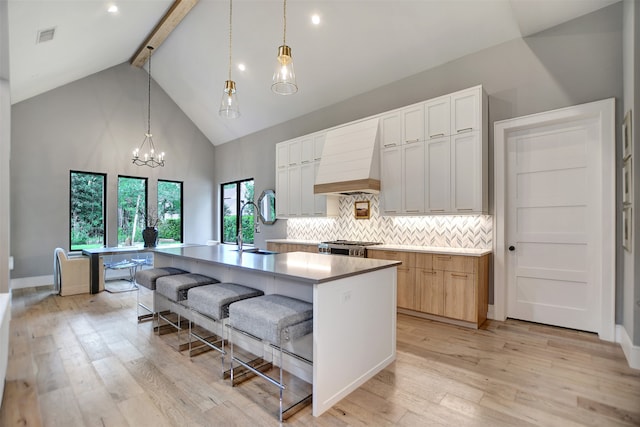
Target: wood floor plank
{"points": [[84, 360]]}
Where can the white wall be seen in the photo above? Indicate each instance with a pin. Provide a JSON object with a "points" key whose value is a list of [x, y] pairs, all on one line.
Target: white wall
{"points": [[5, 148], [94, 124]]}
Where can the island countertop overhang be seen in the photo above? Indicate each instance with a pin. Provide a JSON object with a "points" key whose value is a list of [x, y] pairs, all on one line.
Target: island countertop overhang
{"points": [[303, 266]]}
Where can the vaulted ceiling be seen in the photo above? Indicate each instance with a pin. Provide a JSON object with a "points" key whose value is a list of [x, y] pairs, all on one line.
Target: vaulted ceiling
{"points": [[358, 45]]}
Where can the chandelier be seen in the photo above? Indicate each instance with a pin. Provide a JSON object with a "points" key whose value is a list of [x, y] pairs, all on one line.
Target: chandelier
{"points": [[148, 158], [229, 103], [284, 78]]}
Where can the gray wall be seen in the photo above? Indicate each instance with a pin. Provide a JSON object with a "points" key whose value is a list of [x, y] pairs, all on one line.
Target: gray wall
{"points": [[5, 147], [574, 63], [94, 124]]}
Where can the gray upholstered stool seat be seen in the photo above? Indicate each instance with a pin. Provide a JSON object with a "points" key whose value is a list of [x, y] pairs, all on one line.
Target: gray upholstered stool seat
{"points": [[176, 286], [272, 317], [275, 319], [213, 300], [148, 278], [212, 303]]}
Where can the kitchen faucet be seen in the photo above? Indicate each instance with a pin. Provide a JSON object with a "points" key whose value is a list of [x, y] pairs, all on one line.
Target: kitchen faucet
{"points": [[240, 228]]}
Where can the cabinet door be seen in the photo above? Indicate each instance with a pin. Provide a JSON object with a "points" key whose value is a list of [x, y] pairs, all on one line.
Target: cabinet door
{"points": [[391, 182], [307, 199], [295, 191], [466, 173], [318, 145], [391, 130], [413, 123], [460, 296], [431, 291], [407, 288], [465, 111], [438, 175], [437, 113], [413, 178], [282, 190], [282, 155], [294, 152], [306, 150]]}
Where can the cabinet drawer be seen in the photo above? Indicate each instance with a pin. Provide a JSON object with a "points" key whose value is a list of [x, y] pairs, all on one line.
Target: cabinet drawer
{"points": [[463, 264], [408, 259], [424, 261]]}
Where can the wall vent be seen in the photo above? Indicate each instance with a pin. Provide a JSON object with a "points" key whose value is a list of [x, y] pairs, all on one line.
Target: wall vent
{"points": [[45, 35]]}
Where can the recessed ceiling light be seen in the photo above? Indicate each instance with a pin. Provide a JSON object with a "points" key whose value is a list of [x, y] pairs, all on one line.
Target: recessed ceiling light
{"points": [[113, 9], [241, 67], [315, 19]]}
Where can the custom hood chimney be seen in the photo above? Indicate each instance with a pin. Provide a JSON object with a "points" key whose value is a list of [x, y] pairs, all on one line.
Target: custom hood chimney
{"points": [[350, 161]]}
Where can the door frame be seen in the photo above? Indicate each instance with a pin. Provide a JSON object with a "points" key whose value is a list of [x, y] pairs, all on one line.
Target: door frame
{"points": [[605, 111]]}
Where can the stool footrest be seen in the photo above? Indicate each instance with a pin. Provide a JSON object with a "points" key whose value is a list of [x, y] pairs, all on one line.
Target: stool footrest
{"points": [[253, 367], [297, 407]]}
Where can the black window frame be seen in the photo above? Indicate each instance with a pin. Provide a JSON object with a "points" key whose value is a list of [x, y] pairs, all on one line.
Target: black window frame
{"points": [[238, 184], [181, 203], [146, 204], [104, 205]]}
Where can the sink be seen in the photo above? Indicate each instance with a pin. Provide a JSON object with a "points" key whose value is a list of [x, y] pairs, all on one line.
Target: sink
{"points": [[257, 251]]}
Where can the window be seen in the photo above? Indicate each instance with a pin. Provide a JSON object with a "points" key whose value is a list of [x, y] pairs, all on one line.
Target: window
{"points": [[234, 196], [169, 212], [87, 201], [132, 209]]}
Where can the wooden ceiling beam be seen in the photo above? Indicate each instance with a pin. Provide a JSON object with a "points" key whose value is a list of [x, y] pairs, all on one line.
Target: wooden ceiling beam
{"points": [[167, 24]]}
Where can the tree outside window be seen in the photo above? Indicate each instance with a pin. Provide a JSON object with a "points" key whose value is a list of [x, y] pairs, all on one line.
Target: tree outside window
{"points": [[87, 201], [169, 212], [132, 210], [234, 196]]}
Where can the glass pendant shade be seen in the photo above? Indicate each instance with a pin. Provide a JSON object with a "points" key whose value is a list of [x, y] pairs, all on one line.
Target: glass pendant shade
{"points": [[229, 102], [284, 78]]}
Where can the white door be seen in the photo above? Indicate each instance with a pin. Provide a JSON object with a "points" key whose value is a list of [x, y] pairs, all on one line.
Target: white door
{"points": [[553, 212]]}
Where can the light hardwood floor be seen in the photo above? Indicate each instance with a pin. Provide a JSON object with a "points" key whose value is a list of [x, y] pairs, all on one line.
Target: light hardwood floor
{"points": [[85, 361]]}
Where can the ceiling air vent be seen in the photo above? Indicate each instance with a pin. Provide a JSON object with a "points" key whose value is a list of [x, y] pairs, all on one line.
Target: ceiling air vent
{"points": [[45, 35]]}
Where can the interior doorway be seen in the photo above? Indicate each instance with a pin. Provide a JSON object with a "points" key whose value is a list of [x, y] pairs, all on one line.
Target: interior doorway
{"points": [[555, 218]]}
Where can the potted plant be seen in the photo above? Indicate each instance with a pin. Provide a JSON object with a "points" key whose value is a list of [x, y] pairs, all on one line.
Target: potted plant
{"points": [[150, 233]]}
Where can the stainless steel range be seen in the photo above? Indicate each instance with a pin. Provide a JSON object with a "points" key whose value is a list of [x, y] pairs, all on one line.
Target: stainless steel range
{"points": [[345, 247]]}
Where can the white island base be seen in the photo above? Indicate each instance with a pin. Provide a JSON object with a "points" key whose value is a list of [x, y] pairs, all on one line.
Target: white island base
{"points": [[354, 308]]}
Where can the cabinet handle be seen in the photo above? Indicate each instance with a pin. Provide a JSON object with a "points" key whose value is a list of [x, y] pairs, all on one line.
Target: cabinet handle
{"points": [[292, 164], [444, 258], [317, 158], [411, 141], [305, 161], [464, 130], [391, 211], [393, 144], [437, 210], [431, 272], [464, 276], [437, 135], [412, 210], [465, 209]]}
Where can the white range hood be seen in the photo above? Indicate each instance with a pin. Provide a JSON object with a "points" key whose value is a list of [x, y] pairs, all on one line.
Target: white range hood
{"points": [[350, 162]]}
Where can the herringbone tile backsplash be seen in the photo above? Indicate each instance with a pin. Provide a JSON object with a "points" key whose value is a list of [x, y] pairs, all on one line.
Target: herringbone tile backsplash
{"points": [[472, 231]]}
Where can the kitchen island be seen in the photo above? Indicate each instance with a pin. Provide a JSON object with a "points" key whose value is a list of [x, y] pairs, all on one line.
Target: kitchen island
{"points": [[354, 306]]}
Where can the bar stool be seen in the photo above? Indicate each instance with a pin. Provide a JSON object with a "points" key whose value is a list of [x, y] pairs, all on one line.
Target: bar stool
{"points": [[148, 278], [211, 303], [276, 320], [174, 290]]}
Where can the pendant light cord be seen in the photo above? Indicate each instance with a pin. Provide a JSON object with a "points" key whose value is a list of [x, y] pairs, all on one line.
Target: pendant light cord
{"points": [[149, 94], [230, 34], [284, 34]]}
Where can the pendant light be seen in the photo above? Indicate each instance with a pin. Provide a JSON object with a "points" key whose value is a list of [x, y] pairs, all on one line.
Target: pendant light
{"points": [[284, 78], [229, 103], [150, 158]]}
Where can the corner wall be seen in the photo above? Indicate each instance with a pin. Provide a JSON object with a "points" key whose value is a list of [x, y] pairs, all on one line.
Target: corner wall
{"points": [[93, 124]]}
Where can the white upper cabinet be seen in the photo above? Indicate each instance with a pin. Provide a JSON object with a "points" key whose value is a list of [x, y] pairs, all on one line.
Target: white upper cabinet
{"points": [[295, 152], [306, 150], [391, 181], [465, 111], [282, 192], [413, 124], [307, 179], [318, 145], [438, 175], [282, 155], [391, 130], [437, 117], [467, 173], [413, 178]]}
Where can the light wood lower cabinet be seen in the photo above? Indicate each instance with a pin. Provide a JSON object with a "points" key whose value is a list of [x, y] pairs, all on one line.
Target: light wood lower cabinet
{"points": [[291, 247], [448, 286]]}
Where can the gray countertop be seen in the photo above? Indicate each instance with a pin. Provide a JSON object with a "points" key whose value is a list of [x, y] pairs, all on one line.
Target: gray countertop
{"points": [[302, 266]]}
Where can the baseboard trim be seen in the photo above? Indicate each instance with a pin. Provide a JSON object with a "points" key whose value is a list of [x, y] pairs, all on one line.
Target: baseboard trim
{"points": [[490, 312], [31, 282], [631, 352]]}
